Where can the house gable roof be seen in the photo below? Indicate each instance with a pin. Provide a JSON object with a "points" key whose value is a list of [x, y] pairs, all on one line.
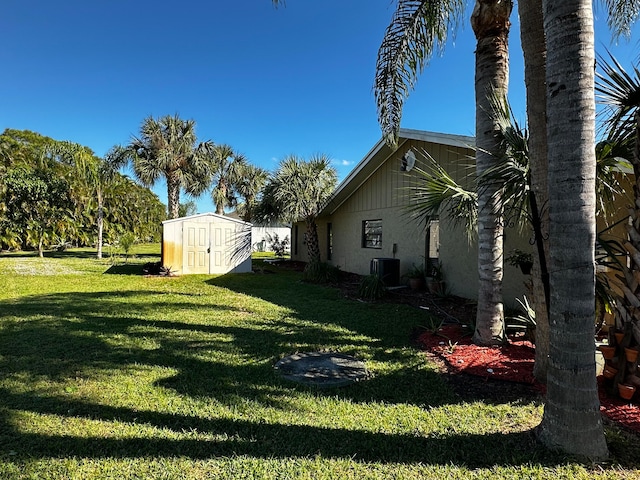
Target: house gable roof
{"points": [[376, 157]]}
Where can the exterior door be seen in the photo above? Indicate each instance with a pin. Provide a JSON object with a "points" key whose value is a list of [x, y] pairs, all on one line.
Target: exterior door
{"points": [[222, 238], [197, 248], [432, 245]]}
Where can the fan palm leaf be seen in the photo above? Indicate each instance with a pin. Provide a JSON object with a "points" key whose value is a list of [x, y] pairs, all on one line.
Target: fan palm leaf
{"points": [[436, 193], [621, 16], [619, 92]]}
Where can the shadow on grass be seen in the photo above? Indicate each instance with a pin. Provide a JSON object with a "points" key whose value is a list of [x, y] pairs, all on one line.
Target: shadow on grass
{"points": [[75, 333], [125, 269], [73, 253], [256, 439], [80, 335], [81, 254]]}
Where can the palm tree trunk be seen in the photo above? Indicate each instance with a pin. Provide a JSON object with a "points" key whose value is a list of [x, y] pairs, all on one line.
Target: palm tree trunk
{"points": [[221, 198], [490, 22], [313, 248], [100, 222], [173, 196], [571, 420], [534, 50]]}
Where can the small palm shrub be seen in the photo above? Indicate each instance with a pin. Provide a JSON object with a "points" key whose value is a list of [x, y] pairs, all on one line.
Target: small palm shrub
{"points": [[321, 272], [126, 243], [432, 323], [372, 287]]}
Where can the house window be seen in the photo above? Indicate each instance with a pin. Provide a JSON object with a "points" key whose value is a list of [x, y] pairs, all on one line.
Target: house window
{"points": [[329, 240], [372, 234]]}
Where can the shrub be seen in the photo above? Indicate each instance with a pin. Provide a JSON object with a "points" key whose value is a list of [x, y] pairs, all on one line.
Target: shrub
{"points": [[372, 287], [321, 272], [156, 268], [126, 242], [277, 246]]}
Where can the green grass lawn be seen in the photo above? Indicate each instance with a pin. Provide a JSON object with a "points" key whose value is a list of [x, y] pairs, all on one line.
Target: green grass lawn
{"points": [[107, 374]]}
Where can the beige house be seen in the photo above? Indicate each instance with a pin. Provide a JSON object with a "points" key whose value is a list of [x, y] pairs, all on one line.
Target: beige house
{"points": [[366, 218], [206, 243]]}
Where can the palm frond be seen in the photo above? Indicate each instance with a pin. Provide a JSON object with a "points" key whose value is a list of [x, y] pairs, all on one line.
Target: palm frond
{"points": [[621, 14], [619, 92], [417, 30], [511, 173], [612, 160], [435, 193], [300, 187]]}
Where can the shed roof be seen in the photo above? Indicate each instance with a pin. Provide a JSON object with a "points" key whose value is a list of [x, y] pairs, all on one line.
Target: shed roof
{"points": [[380, 152], [210, 214]]}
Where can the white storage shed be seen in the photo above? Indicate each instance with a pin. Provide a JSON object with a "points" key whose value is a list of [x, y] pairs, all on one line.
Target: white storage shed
{"points": [[206, 243]]}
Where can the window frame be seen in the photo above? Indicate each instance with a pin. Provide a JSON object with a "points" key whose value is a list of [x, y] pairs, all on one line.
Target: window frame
{"points": [[369, 239]]}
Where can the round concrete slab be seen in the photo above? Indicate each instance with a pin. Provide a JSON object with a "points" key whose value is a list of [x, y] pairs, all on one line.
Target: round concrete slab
{"points": [[322, 369]]}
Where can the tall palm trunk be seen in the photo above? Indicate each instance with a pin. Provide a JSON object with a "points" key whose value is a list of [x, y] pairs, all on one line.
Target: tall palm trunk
{"points": [[100, 222], [535, 53], [221, 196], [571, 420], [173, 196], [490, 22], [313, 247]]}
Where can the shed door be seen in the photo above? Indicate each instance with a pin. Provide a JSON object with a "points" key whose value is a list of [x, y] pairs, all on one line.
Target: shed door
{"points": [[196, 247], [222, 247]]}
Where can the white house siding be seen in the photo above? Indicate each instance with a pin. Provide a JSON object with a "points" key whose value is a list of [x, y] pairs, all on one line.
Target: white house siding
{"points": [[259, 236]]}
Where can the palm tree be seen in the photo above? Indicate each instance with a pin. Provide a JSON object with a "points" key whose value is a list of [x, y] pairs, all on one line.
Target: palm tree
{"points": [[252, 181], [534, 52], [417, 29], [297, 192], [490, 22], [92, 176], [226, 168], [621, 14], [167, 147], [619, 91], [571, 420]]}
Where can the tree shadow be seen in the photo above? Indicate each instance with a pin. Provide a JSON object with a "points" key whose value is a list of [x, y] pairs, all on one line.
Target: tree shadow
{"points": [[80, 254], [233, 437], [124, 269], [69, 337], [72, 332]]}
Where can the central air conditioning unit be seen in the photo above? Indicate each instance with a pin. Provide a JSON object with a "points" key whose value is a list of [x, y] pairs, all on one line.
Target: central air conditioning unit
{"points": [[388, 269]]}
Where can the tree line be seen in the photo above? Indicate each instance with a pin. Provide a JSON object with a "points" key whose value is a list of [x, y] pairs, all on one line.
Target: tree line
{"points": [[58, 193], [168, 147]]}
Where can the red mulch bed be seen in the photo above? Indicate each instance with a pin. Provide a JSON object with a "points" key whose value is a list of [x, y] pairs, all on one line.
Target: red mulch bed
{"points": [[511, 364]]}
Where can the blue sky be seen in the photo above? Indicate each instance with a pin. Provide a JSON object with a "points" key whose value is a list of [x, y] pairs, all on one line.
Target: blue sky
{"points": [[269, 82]]}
